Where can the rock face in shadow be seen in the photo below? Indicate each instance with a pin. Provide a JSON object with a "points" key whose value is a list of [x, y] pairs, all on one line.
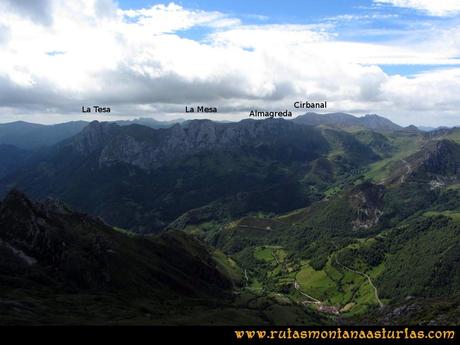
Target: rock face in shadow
{"points": [[46, 246], [149, 148]]}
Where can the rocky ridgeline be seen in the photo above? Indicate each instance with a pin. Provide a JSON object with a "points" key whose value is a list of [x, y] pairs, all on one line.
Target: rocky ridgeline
{"points": [[148, 148]]}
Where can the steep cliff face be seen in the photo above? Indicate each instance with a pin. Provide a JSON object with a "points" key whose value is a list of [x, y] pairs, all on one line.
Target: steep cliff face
{"points": [[94, 137], [148, 148], [367, 202]]}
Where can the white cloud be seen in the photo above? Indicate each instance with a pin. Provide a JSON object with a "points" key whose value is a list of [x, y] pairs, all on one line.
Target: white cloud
{"points": [[137, 62], [361, 17], [432, 7], [171, 18], [425, 91]]}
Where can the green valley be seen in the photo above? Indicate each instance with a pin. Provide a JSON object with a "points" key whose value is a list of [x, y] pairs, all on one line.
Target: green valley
{"points": [[269, 222]]}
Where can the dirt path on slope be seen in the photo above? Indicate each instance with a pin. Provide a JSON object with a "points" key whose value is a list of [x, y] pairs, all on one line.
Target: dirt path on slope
{"points": [[297, 287], [276, 258], [376, 293], [409, 170]]}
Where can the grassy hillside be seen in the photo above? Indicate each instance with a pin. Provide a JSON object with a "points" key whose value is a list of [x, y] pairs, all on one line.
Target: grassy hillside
{"points": [[351, 268]]}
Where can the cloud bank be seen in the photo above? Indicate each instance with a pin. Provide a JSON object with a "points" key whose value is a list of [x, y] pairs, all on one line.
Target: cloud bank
{"points": [[64, 55], [432, 7]]}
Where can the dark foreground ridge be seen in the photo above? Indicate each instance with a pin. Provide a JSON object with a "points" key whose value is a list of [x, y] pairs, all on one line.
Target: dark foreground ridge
{"points": [[58, 267]]}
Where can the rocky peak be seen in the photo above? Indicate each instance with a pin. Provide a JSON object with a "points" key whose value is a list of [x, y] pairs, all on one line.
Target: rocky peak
{"points": [[17, 206], [314, 119], [374, 121], [94, 137], [201, 133], [412, 129], [16, 202], [16, 199]]}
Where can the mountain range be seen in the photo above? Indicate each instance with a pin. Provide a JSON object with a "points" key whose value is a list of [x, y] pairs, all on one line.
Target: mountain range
{"points": [[325, 219], [29, 136], [114, 170], [32, 136], [347, 121]]}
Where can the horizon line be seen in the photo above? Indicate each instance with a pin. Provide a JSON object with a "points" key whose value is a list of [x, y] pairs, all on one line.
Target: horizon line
{"points": [[182, 119]]}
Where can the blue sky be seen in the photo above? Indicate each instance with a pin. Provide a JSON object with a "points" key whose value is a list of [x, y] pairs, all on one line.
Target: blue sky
{"points": [[397, 58], [277, 11], [352, 20]]}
